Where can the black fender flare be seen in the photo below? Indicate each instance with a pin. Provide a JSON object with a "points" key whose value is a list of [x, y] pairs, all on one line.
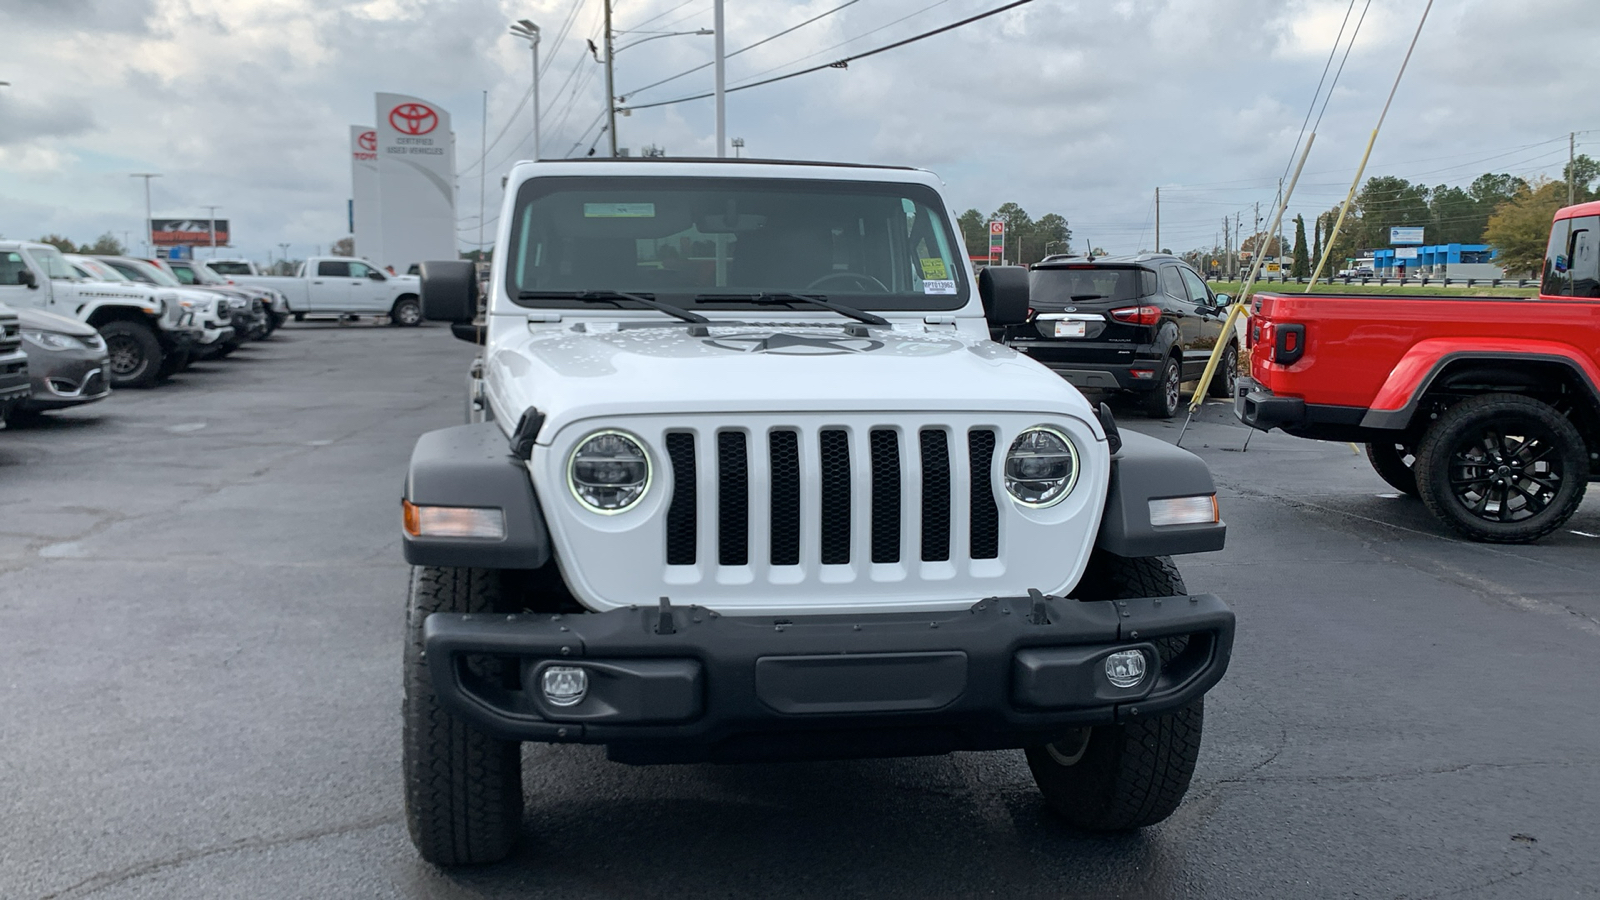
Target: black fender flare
{"points": [[472, 466], [1146, 469]]}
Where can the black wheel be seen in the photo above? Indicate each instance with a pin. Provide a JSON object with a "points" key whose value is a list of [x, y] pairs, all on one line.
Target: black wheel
{"points": [[1132, 775], [136, 357], [1393, 462], [1162, 403], [1502, 468], [299, 317], [407, 312], [1226, 376], [463, 788]]}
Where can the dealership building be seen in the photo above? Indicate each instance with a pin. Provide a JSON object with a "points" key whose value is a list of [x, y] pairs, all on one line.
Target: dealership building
{"points": [[1438, 260]]}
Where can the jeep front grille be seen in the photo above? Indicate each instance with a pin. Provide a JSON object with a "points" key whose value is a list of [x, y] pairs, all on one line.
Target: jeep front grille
{"points": [[842, 462]]}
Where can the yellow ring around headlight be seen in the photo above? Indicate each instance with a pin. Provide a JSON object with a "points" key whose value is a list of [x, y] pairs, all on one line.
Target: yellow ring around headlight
{"points": [[1072, 450], [649, 471]]}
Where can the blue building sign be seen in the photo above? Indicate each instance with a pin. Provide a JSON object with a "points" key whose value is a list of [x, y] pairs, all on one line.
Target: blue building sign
{"points": [[1406, 235]]}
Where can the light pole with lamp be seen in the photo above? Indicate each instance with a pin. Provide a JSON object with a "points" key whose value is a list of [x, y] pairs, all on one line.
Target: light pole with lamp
{"points": [[529, 32], [149, 235], [285, 249], [738, 144]]}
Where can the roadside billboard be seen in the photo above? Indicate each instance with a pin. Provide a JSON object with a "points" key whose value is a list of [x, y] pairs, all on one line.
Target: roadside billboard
{"points": [[366, 218], [181, 232], [1406, 235], [416, 182]]}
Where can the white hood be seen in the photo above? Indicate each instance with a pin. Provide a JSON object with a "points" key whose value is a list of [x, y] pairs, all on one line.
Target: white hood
{"points": [[579, 370]]}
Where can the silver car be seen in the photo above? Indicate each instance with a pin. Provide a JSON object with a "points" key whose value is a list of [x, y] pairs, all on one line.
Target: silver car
{"points": [[68, 364]]}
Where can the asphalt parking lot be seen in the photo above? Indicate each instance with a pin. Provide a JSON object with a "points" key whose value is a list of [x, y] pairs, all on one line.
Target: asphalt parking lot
{"points": [[201, 610]]}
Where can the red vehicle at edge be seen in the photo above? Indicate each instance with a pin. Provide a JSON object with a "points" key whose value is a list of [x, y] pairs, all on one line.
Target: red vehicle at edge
{"points": [[1486, 408]]}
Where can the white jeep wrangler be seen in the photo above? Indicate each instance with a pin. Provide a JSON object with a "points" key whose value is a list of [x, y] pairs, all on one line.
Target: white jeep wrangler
{"points": [[745, 479]]}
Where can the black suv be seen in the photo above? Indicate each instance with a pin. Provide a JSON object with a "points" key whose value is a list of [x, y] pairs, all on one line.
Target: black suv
{"points": [[1125, 323]]}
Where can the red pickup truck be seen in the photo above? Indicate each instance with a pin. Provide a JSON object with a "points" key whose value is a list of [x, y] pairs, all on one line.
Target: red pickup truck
{"points": [[1486, 408]]}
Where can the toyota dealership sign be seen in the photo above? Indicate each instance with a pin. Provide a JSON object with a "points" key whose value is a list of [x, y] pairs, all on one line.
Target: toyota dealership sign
{"points": [[415, 201]]}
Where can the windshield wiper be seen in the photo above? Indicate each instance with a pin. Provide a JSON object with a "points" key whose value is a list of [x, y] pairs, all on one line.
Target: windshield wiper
{"points": [[786, 298], [613, 296]]}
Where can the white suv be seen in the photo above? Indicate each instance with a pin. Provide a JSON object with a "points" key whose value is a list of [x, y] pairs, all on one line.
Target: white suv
{"points": [[746, 479]]}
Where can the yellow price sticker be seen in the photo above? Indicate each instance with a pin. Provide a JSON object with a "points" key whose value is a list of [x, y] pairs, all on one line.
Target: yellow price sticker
{"points": [[933, 269]]}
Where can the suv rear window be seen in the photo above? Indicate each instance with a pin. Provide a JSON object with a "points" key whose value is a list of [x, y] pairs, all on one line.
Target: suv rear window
{"points": [[1088, 284]]}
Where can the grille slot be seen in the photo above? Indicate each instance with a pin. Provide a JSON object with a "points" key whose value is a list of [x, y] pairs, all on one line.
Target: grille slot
{"points": [[985, 542], [935, 496], [784, 452], [681, 519], [733, 500], [835, 524], [885, 496]]}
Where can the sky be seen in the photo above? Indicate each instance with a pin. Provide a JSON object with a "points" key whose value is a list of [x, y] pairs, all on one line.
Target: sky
{"points": [[1077, 108]]}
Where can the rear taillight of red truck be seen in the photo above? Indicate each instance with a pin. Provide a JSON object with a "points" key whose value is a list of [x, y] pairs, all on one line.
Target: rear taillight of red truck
{"points": [[1271, 341]]}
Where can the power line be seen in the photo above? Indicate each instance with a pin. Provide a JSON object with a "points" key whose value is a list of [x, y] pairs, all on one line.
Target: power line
{"points": [[666, 12], [864, 34], [765, 40], [844, 63]]}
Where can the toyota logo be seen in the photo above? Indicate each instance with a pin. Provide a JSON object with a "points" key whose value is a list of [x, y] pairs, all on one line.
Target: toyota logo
{"points": [[794, 344], [369, 140], [413, 118]]}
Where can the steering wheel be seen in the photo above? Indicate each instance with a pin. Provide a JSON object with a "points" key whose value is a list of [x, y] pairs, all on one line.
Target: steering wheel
{"points": [[865, 282]]}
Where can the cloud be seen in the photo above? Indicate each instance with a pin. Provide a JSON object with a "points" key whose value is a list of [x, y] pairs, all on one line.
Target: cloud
{"points": [[22, 122]]}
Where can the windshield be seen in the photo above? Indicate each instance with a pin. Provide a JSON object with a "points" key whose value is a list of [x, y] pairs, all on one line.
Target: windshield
{"points": [[98, 269], [143, 271], [869, 245], [229, 268], [1086, 284], [54, 264]]}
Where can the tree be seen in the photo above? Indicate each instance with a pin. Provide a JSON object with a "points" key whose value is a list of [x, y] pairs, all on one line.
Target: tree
{"points": [[1301, 268], [1453, 217], [974, 231], [1520, 228], [1582, 172], [345, 246], [59, 242], [1384, 202], [104, 245], [1050, 230], [1316, 238]]}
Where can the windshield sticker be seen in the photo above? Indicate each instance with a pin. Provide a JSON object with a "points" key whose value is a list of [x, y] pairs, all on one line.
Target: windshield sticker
{"points": [[934, 269], [619, 210], [939, 286]]}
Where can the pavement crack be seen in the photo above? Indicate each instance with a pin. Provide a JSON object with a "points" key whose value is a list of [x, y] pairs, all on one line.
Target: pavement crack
{"points": [[99, 882]]}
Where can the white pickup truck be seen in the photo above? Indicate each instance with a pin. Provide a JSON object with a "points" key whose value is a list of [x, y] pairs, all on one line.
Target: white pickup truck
{"points": [[343, 286], [149, 330]]}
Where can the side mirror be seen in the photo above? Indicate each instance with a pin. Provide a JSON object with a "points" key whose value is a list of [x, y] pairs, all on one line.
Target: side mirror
{"points": [[25, 276], [1004, 291], [1224, 301], [449, 291], [375, 275]]}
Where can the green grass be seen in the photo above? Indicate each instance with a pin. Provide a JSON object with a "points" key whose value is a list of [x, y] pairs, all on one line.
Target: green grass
{"points": [[1231, 288]]}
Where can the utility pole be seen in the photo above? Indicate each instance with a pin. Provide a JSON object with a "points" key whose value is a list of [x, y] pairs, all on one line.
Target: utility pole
{"points": [[1158, 220], [720, 27], [529, 32], [611, 92], [149, 235], [1572, 167], [483, 164], [1227, 250], [213, 228]]}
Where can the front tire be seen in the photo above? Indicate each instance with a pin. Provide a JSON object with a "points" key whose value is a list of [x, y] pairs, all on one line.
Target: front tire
{"points": [[407, 312], [463, 788], [1132, 775], [1226, 376], [1389, 460], [1162, 403], [1502, 468], [136, 357]]}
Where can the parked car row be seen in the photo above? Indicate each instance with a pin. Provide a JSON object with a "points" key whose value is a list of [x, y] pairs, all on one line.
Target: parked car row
{"points": [[75, 326]]}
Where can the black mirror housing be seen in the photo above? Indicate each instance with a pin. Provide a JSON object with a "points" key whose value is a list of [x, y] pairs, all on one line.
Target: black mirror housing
{"points": [[375, 275], [449, 291], [24, 276], [1004, 291]]}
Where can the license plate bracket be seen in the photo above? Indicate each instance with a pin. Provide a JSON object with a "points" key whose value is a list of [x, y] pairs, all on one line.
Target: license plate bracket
{"points": [[1070, 328]]}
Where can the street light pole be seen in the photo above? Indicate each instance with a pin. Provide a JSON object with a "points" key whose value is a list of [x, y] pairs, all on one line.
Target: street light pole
{"points": [[213, 229], [285, 249], [530, 32], [720, 27], [149, 235]]}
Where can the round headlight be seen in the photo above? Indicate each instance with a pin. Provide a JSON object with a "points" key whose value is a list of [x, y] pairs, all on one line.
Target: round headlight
{"points": [[1041, 467], [609, 472]]}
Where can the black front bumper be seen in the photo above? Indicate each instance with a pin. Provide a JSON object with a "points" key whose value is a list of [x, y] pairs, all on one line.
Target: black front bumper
{"points": [[687, 685]]}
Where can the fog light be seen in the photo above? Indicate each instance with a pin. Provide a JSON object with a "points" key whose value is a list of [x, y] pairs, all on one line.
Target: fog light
{"points": [[568, 685], [1125, 668], [1201, 510]]}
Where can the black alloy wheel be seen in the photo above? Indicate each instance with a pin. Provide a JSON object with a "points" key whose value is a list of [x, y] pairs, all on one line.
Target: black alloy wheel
{"points": [[1394, 463], [1226, 377], [135, 354], [1162, 403], [1502, 468]]}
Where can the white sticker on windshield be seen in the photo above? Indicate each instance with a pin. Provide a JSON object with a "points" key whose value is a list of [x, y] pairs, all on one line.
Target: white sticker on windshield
{"points": [[619, 210], [938, 286]]}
